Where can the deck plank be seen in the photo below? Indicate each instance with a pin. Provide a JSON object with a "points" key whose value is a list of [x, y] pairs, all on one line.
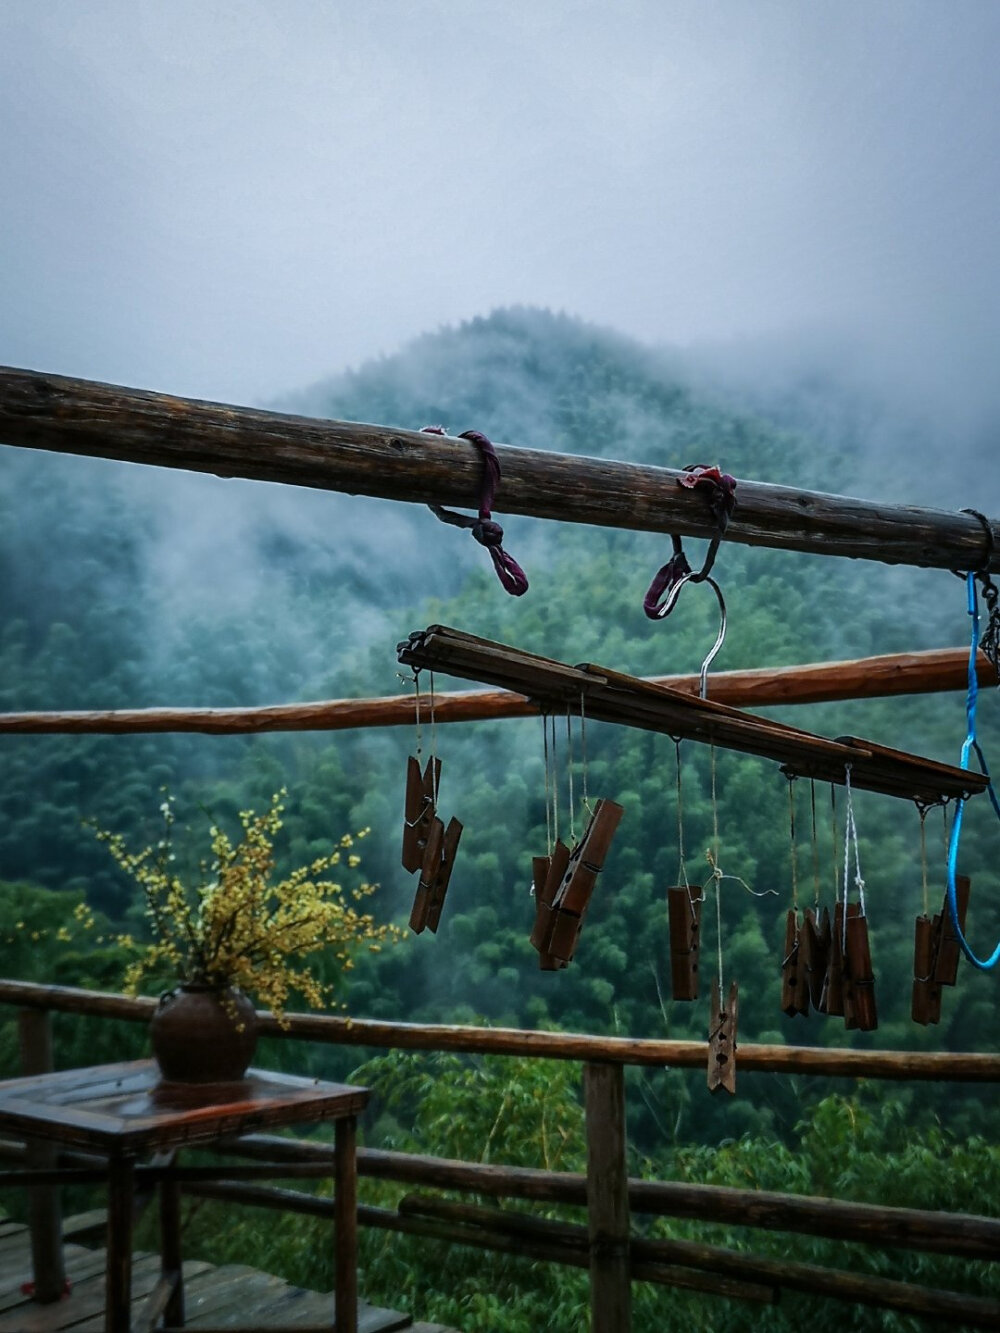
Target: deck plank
{"points": [[216, 1297]]}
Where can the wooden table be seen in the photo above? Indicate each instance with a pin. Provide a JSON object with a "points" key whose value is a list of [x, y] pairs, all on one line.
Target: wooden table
{"points": [[124, 1113]]}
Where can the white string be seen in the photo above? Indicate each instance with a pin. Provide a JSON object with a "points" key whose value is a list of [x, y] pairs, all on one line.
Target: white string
{"points": [[434, 744], [569, 766], [583, 748], [548, 795], [851, 836], [555, 783]]}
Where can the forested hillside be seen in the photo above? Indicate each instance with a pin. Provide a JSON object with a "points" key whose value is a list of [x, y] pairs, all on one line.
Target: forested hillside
{"points": [[123, 587]]}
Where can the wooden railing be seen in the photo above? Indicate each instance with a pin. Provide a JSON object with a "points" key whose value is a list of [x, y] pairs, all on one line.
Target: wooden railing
{"points": [[606, 1246]]}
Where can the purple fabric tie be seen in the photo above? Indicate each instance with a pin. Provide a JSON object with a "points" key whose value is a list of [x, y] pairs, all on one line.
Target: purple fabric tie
{"points": [[722, 502], [486, 531]]}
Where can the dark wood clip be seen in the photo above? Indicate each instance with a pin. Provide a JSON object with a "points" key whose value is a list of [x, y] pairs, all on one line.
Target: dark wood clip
{"points": [[925, 1006], [859, 1000], [546, 874], [794, 986], [722, 1040], [948, 947], [816, 938], [418, 810], [435, 873], [834, 997], [572, 897], [684, 911]]}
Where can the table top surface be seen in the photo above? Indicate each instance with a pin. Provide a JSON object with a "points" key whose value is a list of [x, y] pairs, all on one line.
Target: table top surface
{"points": [[125, 1109]]}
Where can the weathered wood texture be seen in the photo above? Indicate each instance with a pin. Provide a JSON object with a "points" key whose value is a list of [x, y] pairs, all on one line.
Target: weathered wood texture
{"points": [[44, 1209], [611, 696], [951, 1066], [607, 1199], [961, 1234], [931, 672], [41, 411]]}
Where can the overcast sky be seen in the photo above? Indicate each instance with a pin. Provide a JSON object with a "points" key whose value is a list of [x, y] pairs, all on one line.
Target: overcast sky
{"points": [[233, 199]]}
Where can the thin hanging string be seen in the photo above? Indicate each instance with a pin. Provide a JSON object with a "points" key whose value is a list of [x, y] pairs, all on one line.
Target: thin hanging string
{"points": [[416, 709], [555, 783], [548, 794], [682, 868], [833, 835], [971, 743], [434, 743], [716, 872], [923, 858], [851, 836], [794, 847], [815, 843], [583, 752], [569, 767]]}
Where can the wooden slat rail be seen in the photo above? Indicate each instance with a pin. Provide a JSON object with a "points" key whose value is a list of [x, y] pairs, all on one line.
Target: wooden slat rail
{"points": [[42, 411], [611, 696], [663, 1261], [952, 1066], [931, 672], [964, 1235]]}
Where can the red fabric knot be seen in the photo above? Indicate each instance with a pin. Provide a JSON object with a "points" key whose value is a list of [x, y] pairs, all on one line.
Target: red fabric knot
{"points": [[485, 529]]}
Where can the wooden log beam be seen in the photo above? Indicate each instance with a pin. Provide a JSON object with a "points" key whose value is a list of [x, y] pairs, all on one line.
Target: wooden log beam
{"points": [[961, 1234], [41, 411], [931, 672], [936, 1066]]}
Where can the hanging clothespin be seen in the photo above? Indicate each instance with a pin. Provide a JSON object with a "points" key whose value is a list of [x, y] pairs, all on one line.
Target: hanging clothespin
{"points": [[418, 809], [925, 1005], [860, 991], [572, 897], [832, 1000], [947, 945], [684, 911], [547, 874], [722, 1040], [435, 874], [794, 987], [816, 952]]}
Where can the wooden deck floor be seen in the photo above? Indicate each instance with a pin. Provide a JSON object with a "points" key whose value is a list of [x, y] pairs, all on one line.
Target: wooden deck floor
{"points": [[220, 1297]]}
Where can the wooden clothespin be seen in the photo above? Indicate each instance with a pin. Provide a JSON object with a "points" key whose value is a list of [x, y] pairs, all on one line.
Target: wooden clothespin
{"points": [[833, 998], [948, 947], [860, 991], [794, 987], [547, 874], [418, 810], [722, 1040], [435, 874], [572, 897], [925, 1006], [816, 951], [684, 912]]}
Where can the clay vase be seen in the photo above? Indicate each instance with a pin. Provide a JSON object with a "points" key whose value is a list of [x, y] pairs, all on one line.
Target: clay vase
{"points": [[202, 1034]]}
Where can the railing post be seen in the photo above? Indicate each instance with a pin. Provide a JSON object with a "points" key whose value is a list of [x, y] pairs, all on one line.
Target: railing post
{"points": [[44, 1212], [607, 1199]]}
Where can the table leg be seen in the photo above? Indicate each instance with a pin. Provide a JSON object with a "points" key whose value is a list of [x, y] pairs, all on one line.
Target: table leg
{"points": [[171, 1261], [346, 1221], [118, 1282]]}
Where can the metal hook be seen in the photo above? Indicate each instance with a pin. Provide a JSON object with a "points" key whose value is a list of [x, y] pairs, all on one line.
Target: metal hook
{"points": [[671, 601]]}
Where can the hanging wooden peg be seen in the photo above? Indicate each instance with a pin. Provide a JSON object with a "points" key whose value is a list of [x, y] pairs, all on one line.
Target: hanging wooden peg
{"points": [[949, 949], [816, 940], [794, 984], [722, 1040], [547, 875], [418, 810], [835, 981], [684, 911], [860, 992], [925, 1005], [572, 897], [435, 873]]}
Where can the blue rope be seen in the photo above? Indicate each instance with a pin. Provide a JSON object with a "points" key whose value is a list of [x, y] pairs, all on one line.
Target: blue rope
{"points": [[971, 743]]}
